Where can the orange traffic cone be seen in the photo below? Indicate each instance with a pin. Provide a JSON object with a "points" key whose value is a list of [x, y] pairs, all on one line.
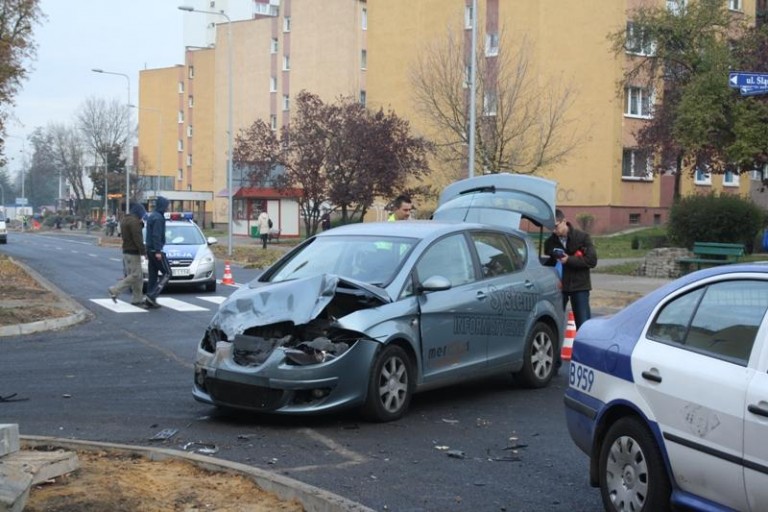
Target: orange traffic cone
{"points": [[227, 279], [570, 334]]}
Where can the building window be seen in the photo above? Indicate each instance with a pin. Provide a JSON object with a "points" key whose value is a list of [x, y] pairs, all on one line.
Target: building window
{"points": [[468, 17], [191, 72], [180, 175], [730, 179], [491, 45], [657, 219], [363, 59], [702, 177], [286, 63], [638, 103], [489, 103], [189, 130], [734, 5], [634, 219], [181, 87], [287, 24], [189, 159], [273, 46], [363, 97], [181, 116], [676, 7], [635, 165], [286, 102], [273, 84], [180, 145], [273, 122], [638, 40], [191, 101], [364, 18]]}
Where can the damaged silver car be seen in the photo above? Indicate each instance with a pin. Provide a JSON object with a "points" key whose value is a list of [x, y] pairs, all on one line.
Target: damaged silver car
{"points": [[366, 315]]}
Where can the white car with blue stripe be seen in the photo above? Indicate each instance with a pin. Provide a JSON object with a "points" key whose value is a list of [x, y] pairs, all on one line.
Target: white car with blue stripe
{"points": [[669, 397]]}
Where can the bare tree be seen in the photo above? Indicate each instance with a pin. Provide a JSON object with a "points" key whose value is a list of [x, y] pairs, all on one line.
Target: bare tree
{"points": [[522, 119], [67, 150]]}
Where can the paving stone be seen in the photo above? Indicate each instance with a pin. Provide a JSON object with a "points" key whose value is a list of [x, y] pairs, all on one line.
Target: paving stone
{"points": [[20, 470], [9, 438]]}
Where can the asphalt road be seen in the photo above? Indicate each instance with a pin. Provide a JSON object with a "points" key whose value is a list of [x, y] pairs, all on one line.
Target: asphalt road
{"points": [[125, 377]]}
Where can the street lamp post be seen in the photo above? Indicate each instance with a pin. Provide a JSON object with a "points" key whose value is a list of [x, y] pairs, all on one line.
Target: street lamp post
{"points": [[127, 139], [229, 118], [472, 93]]}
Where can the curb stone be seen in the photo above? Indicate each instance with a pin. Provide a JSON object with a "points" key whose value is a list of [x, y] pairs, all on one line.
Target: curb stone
{"points": [[79, 314], [313, 499]]}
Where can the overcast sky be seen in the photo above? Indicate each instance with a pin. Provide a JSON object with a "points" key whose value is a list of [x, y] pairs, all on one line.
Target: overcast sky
{"points": [[123, 36]]}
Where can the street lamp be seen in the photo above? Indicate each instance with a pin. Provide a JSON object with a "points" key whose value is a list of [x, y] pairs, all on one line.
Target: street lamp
{"points": [[127, 141], [23, 152], [472, 93], [229, 120]]}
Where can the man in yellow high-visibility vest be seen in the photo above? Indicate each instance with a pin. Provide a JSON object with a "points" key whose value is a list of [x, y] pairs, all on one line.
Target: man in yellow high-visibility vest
{"points": [[401, 208]]}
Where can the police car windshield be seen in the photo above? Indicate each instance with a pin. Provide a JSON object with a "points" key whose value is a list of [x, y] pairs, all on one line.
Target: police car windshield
{"points": [[371, 260], [183, 234]]}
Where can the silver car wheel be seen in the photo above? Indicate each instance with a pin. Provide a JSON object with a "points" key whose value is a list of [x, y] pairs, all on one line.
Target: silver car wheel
{"points": [[393, 384], [542, 354], [626, 475]]}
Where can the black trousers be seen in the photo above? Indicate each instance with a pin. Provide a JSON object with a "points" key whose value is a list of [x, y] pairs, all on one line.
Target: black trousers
{"points": [[155, 285]]}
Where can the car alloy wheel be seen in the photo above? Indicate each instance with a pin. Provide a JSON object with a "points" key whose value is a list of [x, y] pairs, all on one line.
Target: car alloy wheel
{"points": [[538, 357], [632, 474], [390, 385]]}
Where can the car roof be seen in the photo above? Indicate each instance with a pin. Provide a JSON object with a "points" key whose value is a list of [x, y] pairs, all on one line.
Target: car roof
{"points": [[408, 229]]}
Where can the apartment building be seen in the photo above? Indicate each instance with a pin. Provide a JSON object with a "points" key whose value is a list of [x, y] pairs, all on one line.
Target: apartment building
{"points": [[371, 50]]}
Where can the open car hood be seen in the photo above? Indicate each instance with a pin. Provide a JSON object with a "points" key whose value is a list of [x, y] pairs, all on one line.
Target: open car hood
{"points": [[499, 199], [297, 301]]}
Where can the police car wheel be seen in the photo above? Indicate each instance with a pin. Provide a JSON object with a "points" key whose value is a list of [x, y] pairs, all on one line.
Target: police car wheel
{"points": [[390, 385], [632, 473], [538, 357]]}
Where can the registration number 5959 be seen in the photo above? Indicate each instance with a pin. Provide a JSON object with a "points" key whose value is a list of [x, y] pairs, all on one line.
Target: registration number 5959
{"points": [[581, 377]]}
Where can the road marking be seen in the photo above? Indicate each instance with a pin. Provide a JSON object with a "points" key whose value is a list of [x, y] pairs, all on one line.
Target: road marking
{"points": [[216, 299], [352, 458], [119, 307], [178, 305]]}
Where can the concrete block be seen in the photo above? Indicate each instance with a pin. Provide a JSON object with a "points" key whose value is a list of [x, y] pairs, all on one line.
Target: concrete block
{"points": [[9, 438], [21, 470]]}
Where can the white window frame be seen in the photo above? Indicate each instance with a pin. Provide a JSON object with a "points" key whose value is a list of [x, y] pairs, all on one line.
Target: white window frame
{"points": [[180, 145], [181, 86], [363, 97], [363, 59], [468, 17], [286, 102], [287, 24], [181, 116], [189, 159], [638, 42], [274, 45], [631, 160], [180, 174], [273, 84], [702, 178], [676, 7], [735, 5], [731, 179], [273, 122], [189, 130], [286, 62], [492, 44], [490, 103], [191, 101], [364, 18], [191, 72], [638, 102]]}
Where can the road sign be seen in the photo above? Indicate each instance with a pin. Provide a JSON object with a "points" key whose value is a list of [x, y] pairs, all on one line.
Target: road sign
{"points": [[21, 201], [738, 79], [753, 90]]}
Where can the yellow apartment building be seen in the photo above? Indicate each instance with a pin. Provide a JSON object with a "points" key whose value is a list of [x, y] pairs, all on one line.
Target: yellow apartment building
{"points": [[370, 50]]}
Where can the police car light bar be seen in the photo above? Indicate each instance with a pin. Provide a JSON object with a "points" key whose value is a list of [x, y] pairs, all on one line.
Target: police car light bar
{"points": [[179, 216]]}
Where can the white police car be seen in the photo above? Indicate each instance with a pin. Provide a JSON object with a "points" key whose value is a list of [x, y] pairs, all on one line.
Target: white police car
{"points": [[669, 397], [191, 259]]}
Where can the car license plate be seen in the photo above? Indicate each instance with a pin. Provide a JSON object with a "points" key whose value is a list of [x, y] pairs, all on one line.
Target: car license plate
{"points": [[581, 377], [177, 272]]}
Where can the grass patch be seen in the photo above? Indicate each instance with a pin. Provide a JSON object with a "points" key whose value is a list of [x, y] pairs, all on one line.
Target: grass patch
{"points": [[623, 269], [629, 245]]}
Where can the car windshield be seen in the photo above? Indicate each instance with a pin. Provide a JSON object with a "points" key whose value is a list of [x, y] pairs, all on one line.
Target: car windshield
{"points": [[372, 260], [185, 234]]}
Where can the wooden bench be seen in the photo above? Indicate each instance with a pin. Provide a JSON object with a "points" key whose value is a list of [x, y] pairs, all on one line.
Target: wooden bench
{"points": [[711, 254]]}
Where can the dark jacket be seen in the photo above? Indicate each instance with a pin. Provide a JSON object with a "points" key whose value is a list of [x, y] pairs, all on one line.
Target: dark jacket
{"points": [[156, 226], [582, 257], [130, 230]]}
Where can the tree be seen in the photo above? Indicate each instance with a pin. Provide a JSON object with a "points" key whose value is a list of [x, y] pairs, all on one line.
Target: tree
{"points": [[339, 153], [17, 19], [103, 126], [522, 122], [67, 151], [42, 176], [685, 61]]}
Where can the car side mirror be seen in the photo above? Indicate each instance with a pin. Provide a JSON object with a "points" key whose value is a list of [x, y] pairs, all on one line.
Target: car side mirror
{"points": [[212, 240], [435, 284]]}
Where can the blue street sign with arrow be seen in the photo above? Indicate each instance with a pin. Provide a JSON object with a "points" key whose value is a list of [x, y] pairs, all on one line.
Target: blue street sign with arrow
{"points": [[739, 79]]}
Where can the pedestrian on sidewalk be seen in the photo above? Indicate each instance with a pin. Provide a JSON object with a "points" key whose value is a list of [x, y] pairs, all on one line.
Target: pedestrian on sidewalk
{"points": [[264, 226], [574, 250], [133, 249], [156, 258]]}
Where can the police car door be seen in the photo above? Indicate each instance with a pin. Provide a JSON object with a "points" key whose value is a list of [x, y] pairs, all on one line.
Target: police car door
{"points": [[453, 343], [691, 369]]}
